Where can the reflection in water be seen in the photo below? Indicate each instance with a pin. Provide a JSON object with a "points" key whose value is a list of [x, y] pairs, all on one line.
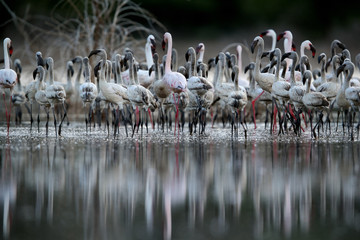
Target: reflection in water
{"points": [[7, 189], [143, 189]]}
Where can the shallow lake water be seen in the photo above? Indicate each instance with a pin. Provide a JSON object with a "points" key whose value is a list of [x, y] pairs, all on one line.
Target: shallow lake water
{"points": [[161, 185]]}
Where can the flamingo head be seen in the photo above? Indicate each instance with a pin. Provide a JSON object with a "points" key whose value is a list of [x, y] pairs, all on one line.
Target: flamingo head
{"points": [[251, 66], [199, 48], [264, 33], [321, 57], [151, 41], [163, 44], [255, 43], [70, 68]]}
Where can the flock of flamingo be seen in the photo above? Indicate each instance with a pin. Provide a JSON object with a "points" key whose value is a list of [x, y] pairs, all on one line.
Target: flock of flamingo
{"points": [[131, 92]]}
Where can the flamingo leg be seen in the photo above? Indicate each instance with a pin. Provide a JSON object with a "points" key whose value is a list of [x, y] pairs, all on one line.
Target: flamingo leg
{"points": [[253, 106], [8, 120], [31, 117], [47, 121], [54, 120], [125, 121], [6, 112], [151, 121], [62, 120], [38, 120]]}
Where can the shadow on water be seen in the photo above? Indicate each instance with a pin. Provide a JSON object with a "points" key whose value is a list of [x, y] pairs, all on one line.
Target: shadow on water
{"points": [[166, 187]]}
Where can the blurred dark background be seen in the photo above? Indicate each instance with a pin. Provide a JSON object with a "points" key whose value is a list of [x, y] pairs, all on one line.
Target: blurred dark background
{"points": [[195, 21]]}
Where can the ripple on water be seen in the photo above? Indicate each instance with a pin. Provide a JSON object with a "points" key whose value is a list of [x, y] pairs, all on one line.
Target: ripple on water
{"points": [[216, 135]]}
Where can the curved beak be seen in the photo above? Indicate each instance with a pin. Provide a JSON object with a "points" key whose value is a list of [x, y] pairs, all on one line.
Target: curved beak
{"points": [[339, 70], [11, 50], [320, 57], [163, 44], [263, 33], [253, 45], [94, 52], [71, 70], [285, 55], [313, 50], [34, 73], [280, 36]]}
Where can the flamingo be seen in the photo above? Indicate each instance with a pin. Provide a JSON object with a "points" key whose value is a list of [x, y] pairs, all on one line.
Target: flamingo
{"points": [[237, 99], [55, 94], [78, 60], [199, 85], [143, 75], [87, 91], [322, 79], [32, 87], [280, 88], [352, 94], [114, 93], [175, 82], [296, 92], [136, 93], [313, 100], [327, 88], [7, 78], [256, 92], [69, 88], [40, 95], [241, 77], [288, 44], [18, 97]]}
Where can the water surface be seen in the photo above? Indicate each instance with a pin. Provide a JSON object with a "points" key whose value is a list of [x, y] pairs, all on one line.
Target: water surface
{"points": [[161, 185]]}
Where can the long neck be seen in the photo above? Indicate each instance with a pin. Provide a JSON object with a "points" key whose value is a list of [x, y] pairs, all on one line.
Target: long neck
{"points": [[192, 64], [323, 77], [273, 43], [168, 54], [334, 66], [302, 48], [349, 76], [68, 77], [292, 75], [308, 83], [201, 54], [51, 74], [277, 72], [236, 82], [103, 67], [108, 70], [117, 72], [288, 48], [148, 55], [78, 75], [258, 57], [6, 55], [239, 50], [40, 80], [252, 79], [345, 84], [131, 71], [218, 73], [86, 72], [156, 66]]}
